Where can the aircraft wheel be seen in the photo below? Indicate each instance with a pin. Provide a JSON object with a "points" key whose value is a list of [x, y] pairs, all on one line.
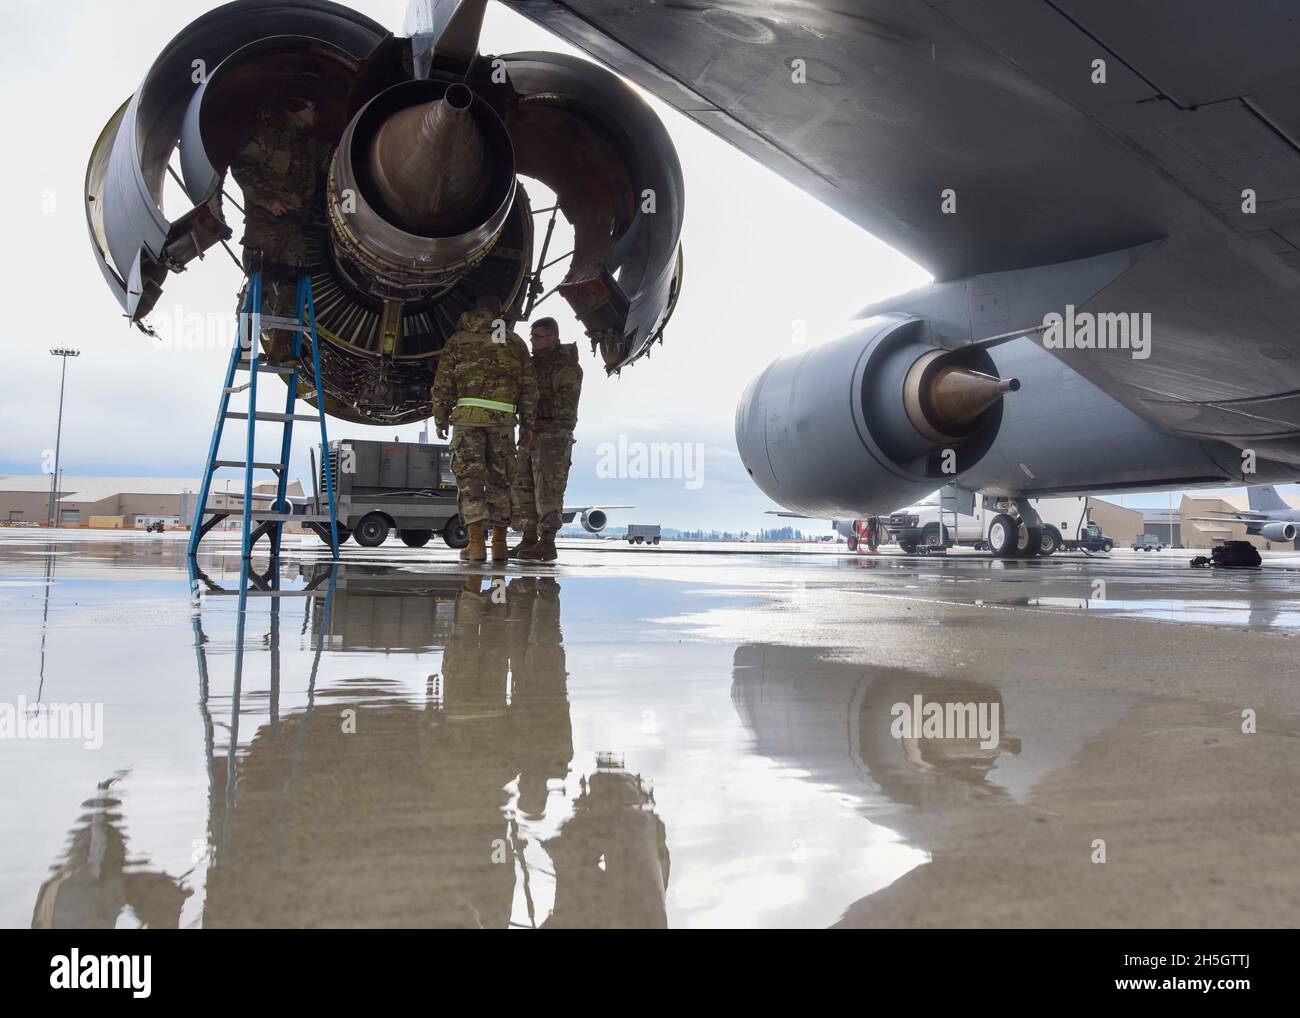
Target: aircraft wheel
{"points": [[416, 538], [1028, 541], [455, 534], [1003, 534], [1050, 543]]}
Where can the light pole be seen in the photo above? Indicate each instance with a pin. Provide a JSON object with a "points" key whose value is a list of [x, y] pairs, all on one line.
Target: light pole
{"points": [[65, 352]]}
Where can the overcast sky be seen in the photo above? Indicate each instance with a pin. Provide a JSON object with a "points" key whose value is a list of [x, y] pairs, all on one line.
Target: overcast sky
{"points": [[760, 257]]}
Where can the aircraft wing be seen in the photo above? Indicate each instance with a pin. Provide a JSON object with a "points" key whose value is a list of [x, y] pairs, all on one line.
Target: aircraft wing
{"points": [[878, 108], [592, 517], [572, 509]]}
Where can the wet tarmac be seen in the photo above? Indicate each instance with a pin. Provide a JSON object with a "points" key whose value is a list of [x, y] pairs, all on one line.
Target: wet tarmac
{"points": [[637, 737]]}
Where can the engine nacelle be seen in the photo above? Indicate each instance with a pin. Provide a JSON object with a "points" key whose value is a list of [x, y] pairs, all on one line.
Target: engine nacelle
{"points": [[1280, 532], [421, 212], [863, 424], [594, 520]]}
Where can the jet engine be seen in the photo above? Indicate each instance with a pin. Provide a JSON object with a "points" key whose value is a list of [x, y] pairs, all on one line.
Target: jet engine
{"points": [[422, 209], [1280, 532], [870, 421], [594, 520]]}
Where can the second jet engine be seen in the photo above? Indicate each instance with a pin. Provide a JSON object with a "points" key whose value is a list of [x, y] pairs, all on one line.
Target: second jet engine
{"points": [[870, 421]]}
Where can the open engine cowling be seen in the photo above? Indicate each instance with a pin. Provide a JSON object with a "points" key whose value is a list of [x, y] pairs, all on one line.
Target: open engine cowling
{"points": [[865, 423], [422, 212]]}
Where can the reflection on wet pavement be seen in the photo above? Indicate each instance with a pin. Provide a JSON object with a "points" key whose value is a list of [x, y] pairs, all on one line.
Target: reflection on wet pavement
{"points": [[631, 744]]}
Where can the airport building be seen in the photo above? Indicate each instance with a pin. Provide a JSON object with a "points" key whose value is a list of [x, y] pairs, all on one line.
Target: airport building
{"points": [[1180, 528], [1120, 524], [125, 502]]}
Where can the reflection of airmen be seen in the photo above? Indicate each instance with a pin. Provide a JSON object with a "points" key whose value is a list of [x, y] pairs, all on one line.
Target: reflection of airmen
{"points": [[476, 661], [539, 683], [400, 821], [397, 822], [376, 806], [485, 385], [611, 857], [279, 170], [96, 882], [543, 469]]}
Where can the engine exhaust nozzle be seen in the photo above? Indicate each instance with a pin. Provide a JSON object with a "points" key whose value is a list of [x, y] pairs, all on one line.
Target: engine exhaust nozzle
{"points": [[421, 185], [429, 164], [945, 400]]}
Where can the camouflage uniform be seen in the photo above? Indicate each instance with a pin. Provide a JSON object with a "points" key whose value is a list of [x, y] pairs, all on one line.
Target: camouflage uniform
{"points": [[541, 726], [542, 472], [475, 367], [281, 162]]}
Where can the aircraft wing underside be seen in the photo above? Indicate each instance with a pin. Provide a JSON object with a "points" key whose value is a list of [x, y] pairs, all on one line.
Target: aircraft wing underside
{"points": [[997, 101]]}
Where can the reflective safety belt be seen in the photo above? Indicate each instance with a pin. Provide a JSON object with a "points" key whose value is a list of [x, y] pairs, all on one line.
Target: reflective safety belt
{"points": [[486, 404]]}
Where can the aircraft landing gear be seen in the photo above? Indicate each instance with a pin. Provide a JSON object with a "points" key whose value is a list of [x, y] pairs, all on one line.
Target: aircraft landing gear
{"points": [[1029, 541], [1003, 535], [1011, 538]]}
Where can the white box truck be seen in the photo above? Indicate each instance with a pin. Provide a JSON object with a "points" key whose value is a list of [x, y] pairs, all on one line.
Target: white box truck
{"points": [[933, 524]]}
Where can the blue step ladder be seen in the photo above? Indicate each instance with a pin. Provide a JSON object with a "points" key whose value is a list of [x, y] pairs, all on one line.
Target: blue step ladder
{"points": [[245, 357]]}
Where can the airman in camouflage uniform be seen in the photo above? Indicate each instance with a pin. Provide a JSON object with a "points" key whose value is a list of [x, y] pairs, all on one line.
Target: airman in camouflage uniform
{"points": [[484, 386], [279, 169], [542, 474]]}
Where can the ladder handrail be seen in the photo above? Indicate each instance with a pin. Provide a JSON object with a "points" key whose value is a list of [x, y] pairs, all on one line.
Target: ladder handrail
{"points": [[248, 338], [305, 296], [196, 532], [254, 342]]}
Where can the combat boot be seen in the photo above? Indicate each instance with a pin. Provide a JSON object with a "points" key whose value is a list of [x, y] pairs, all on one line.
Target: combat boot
{"points": [[543, 550], [526, 545], [499, 550], [476, 550]]}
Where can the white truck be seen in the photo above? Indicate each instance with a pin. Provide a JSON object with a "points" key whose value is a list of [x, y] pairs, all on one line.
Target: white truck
{"points": [[931, 524]]}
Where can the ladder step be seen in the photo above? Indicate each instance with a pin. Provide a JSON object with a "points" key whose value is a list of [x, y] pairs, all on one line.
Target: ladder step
{"points": [[277, 322], [268, 415], [274, 369], [241, 463], [269, 517], [265, 593]]}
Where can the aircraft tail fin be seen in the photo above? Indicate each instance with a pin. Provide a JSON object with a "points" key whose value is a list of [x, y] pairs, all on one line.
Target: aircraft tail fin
{"points": [[1264, 497]]}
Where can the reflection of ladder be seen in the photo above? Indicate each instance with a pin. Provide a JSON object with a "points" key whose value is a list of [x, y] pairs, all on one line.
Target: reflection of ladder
{"points": [[267, 585], [244, 357]]}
